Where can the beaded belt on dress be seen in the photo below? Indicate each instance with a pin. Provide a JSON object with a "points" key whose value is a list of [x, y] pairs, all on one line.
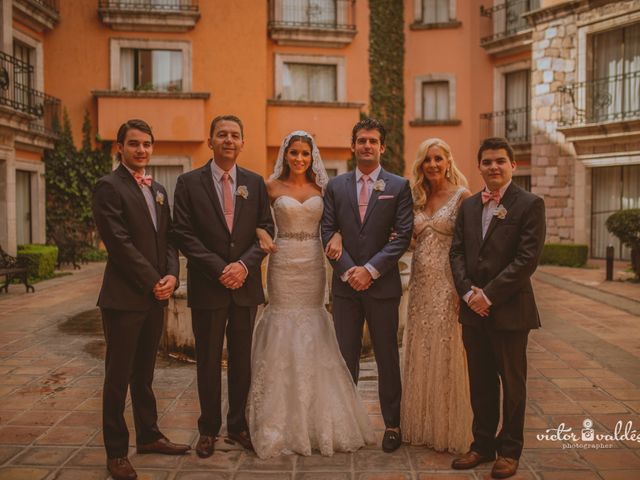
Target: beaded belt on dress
{"points": [[300, 236]]}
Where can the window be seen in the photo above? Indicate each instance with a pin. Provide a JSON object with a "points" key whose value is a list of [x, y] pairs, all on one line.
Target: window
{"points": [[523, 181], [309, 82], [613, 189], [435, 100], [435, 11], [142, 69], [24, 72], [309, 12], [614, 92], [517, 105], [23, 207], [167, 176], [157, 65]]}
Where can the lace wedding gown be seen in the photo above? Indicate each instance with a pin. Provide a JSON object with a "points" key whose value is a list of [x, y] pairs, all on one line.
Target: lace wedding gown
{"points": [[436, 408], [302, 397]]}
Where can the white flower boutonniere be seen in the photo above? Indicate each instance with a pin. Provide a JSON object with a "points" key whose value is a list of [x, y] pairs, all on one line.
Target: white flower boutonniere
{"points": [[242, 191], [160, 198], [379, 186], [500, 212]]}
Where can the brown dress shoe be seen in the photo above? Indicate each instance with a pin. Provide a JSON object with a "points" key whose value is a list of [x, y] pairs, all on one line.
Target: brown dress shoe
{"points": [[470, 459], [205, 446], [164, 446], [243, 438], [504, 467], [121, 469]]}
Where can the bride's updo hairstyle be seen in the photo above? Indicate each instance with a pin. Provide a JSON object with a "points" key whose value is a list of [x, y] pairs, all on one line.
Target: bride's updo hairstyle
{"points": [[420, 187], [285, 164]]}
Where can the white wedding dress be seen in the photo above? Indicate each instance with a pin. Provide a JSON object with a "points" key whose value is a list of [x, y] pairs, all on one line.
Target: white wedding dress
{"points": [[302, 397]]}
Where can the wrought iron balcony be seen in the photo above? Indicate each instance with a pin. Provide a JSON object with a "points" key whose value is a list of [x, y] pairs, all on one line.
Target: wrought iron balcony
{"points": [[609, 99], [514, 125], [149, 15], [16, 94], [150, 5], [41, 15], [505, 20], [312, 21]]}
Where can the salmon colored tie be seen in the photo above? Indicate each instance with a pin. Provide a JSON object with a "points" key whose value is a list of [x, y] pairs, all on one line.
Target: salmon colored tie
{"points": [[227, 198], [488, 196], [363, 201]]}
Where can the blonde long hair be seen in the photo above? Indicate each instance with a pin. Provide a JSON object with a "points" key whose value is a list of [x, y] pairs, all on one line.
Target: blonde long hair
{"points": [[420, 188]]}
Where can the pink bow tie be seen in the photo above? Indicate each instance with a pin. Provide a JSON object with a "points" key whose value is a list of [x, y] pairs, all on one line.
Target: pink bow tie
{"points": [[488, 196], [143, 179]]}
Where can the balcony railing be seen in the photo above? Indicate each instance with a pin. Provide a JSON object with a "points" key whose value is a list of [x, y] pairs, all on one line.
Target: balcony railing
{"points": [[312, 14], [149, 5], [507, 18], [16, 78], [609, 99], [514, 125], [48, 4]]}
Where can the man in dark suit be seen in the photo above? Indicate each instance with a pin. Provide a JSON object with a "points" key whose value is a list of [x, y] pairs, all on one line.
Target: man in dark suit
{"points": [[496, 247], [132, 215], [366, 206], [217, 210]]}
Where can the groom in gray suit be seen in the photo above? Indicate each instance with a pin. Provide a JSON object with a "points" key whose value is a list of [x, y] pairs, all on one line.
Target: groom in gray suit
{"points": [[366, 206]]}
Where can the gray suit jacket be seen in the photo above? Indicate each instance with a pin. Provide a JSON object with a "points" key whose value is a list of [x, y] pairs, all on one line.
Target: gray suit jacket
{"points": [[368, 242]]}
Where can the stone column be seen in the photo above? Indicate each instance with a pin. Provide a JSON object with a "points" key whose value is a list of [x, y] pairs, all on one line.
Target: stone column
{"points": [[553, 161]]}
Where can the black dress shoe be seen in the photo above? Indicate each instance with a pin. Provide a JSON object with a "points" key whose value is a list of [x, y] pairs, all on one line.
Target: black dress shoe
{"points": [[391, 440], [243, 438], [121, 469], [205, 446], [164, 446]]}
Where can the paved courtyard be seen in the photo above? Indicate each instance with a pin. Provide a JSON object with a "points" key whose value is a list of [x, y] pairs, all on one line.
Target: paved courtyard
{"points": [[584, 364]]}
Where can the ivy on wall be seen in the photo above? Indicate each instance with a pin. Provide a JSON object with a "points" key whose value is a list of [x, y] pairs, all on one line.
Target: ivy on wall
{"points": [[386, 69], [70, 176]]}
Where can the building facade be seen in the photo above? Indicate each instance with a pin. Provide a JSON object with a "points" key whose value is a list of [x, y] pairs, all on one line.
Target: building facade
{"points": [[559, 78], [26, 116]]}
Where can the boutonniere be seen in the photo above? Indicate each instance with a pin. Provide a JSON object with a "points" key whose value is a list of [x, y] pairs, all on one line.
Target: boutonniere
{"points": [[500, 212], [379, 186], [160, 198], [242, 191]]}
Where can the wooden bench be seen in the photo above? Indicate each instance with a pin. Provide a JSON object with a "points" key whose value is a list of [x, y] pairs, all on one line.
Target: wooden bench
{"points": [[10, 268]]}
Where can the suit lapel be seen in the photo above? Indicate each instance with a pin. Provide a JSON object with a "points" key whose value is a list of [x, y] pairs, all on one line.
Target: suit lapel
{"points": [[207, 180], [476, 213], [158, 208], [241, 179], [132, 185], [509, 197], [373, 199], [352, 195]]}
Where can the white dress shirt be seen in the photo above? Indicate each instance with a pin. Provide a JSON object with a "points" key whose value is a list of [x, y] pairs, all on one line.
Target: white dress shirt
{"points": [[488, 211]]}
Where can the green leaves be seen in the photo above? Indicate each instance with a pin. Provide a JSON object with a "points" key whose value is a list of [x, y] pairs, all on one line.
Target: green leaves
{"points": [[70, 176], [386, 69]]}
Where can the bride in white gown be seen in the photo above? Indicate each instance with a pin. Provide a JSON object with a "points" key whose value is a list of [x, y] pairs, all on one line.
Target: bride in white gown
{"points": [[302, 397]]}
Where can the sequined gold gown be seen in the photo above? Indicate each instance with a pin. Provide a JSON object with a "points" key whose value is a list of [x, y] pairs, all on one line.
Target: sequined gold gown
{"points": [[436, 408]]}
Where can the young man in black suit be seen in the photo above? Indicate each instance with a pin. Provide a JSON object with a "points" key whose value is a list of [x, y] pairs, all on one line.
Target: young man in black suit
{"points": [[217, 209], [132, 214], [496, 247]]}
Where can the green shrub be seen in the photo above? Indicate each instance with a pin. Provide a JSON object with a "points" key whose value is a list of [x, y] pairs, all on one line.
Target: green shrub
{"points": [[40, 259], [625, 224], [567, 255], [93, 254]]}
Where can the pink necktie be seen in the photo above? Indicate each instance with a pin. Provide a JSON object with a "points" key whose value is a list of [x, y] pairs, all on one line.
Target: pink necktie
{"points": [[363, 201], [227, 200], [488, 196]]}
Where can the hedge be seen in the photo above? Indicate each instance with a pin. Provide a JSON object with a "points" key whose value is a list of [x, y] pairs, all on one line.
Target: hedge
{"points": [[565, 254], [40, 259]]}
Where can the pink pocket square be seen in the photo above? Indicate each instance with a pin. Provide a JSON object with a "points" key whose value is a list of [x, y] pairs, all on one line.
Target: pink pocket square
{"points": [[385, 197]]}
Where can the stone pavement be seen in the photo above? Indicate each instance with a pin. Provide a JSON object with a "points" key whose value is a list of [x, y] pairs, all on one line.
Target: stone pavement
{"points": [[583, 365]]}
